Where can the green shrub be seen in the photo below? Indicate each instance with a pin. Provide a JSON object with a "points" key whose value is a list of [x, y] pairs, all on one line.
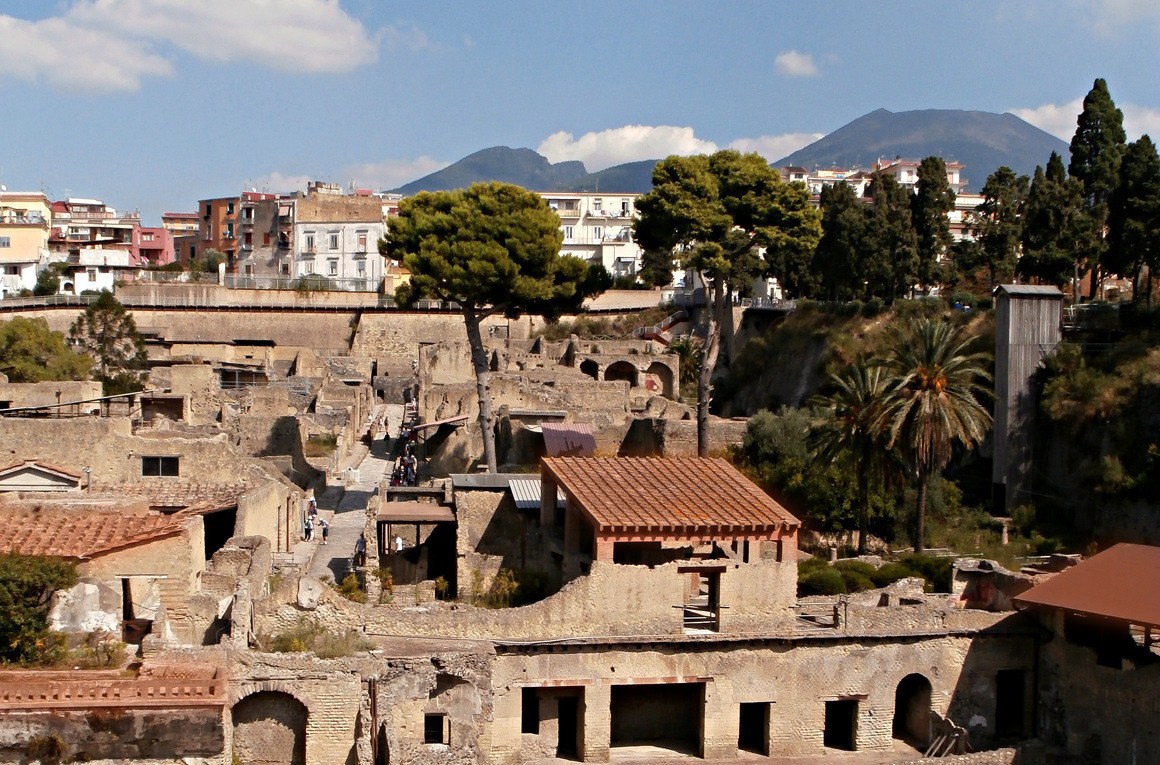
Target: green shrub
{"points": [[827, 581], [891, 573], [936, 571], [320, 445], [47, 749], [308, 635], [873, 307], [858, 575], [351, 589], [27, 583]]}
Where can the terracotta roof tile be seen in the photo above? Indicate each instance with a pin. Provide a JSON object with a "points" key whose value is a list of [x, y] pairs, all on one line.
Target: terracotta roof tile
{"points": [[69, 534], [199, 495], [706, 495]]}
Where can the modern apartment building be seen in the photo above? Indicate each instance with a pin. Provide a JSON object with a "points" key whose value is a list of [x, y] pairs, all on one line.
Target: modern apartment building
{"points": [[597, 227], [24, 226]]}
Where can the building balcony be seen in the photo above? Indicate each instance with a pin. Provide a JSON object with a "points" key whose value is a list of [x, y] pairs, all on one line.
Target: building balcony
{"points": [[569, 214]]}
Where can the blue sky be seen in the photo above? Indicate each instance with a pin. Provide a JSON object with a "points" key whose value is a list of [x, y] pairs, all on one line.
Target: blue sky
{"points": [[153, 104]]}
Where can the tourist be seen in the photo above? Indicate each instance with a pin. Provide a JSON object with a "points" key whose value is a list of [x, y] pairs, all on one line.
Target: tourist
{"points": [[360, 551], [309, 528], [325, 529]]}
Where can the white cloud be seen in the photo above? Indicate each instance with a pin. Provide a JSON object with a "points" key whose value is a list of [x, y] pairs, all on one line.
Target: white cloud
{"points": [[111, 45], [279, 183], [794, 64], [774, 147], [72, 58], [630, 143], [290, 35], [393, 173], [406, 36], [1060, 119]]}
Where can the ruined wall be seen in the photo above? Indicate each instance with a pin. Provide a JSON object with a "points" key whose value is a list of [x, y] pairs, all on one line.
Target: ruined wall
{"points": [[668, 437], [121, 734], [45, 394], [794, 677], [395, 337], [492, 534], [1101, 714]]}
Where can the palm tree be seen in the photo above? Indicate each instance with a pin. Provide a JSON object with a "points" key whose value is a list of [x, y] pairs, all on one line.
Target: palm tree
{"points": [[934, 403], [856, 431]]}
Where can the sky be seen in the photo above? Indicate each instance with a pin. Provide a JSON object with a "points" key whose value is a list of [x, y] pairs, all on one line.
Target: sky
{"points": [[151, 105]]}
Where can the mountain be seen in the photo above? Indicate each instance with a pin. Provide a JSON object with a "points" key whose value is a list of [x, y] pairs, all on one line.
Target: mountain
{"points": [[522, 167], [632, 177], [981, 141]]}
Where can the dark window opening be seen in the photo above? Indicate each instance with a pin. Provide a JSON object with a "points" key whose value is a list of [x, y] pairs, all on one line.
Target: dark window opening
{"points": [[753, 731], [219, 527], [568, 714], [841, 731], [1010, 704], [159, 466], [668, 715], [530, 711], [435, 728]]}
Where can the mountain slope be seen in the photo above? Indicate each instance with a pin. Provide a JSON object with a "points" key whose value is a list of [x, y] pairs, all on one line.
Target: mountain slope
{"points": [[522, 167], [632, 177], [982, 141]]}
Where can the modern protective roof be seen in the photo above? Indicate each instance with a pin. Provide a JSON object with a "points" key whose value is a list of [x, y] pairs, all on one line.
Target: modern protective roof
{"points": [[568, 440], [1032, 290], [66, 533], [1118, 583], [669, 495], [415, 512], [37, 464], [203, 496], [526, 493]]}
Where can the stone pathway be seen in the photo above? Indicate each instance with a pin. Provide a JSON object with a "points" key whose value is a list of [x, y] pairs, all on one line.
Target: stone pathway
{"points": [[344, 507]]}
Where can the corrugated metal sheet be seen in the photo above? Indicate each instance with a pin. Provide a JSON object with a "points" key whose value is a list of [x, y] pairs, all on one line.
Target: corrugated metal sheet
{"points": [[1029, 289], [1118, 583], [568, 440], [526, 493]]}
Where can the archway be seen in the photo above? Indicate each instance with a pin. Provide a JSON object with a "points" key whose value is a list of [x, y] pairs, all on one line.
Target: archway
{"points": [[590, 368], [270, 729], [912, 701], [622, 370], [662, 376]]}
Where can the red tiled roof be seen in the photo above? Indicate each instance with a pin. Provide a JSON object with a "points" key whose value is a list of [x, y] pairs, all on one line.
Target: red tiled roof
{"points": [[71, 534], [1118, 583], [203, 497], [42, 465], [699, 494], [563, 440]]}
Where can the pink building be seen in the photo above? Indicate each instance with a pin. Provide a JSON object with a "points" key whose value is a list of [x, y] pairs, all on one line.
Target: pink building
{"points": [[154, 246]]}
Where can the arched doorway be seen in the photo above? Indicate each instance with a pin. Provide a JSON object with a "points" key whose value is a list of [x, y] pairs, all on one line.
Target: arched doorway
{"points": [[912, 701], [663, 378], [622, 370], [590, 368], [270, 729]]}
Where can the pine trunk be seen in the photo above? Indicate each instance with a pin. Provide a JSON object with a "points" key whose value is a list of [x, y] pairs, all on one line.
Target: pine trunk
{"points": [[863, 499], [482, 387], [709, 354]]}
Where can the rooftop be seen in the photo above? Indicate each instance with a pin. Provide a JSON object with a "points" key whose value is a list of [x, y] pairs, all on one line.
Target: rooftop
{"points": [[569, 440], [65, 533], [199, 495], [687, 495], [1114, 583]]}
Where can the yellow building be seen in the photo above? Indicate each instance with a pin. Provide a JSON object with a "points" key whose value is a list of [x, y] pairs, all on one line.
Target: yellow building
{"points": [[24, 224]]}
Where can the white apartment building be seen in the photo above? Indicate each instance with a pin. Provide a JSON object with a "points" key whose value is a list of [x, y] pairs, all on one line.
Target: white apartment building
{"points": [[95, 269], [597, 228], [336, 236]]}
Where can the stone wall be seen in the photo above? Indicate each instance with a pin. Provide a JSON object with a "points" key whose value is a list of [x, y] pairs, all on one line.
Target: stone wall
{"points": [[50, 394], [492, 534]]}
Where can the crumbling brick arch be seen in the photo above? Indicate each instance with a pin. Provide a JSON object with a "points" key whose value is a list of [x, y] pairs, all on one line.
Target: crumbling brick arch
{"points": [[913, 697], [662, 375], [623, 370], [269, 724], [591, 368]]}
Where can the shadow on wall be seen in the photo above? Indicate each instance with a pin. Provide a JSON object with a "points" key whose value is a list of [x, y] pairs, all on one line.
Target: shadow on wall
{"points": [[285, 440]]}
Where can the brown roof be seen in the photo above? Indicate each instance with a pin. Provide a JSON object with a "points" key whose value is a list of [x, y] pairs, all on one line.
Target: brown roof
{"points": [[202, 496], [568, 440], [415, 512], [1117, 583], [68, 534], [695, 494], [42, 465]]}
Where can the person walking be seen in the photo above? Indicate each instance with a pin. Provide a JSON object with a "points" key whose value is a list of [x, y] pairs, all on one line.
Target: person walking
{"points": [[360, 551], [309, 528], [325, 529]]}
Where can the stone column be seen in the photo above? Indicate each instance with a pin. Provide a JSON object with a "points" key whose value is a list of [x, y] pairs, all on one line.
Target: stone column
{"points": [[604, 548], [596, 732], [720, 722]]}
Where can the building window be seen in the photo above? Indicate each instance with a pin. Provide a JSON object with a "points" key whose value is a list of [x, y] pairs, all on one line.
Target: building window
{"points": [[5, 241], [249, 270], [309, 241], [598, 233], [309, 267], [435, 729], [248, 213], [569, 232], [624, 206], [333, 235], [91, 274], [229, 208], [362, 241], [332, 264], [266, 238], [597, 204], [12, 270], [159, 466], [361, 267]]}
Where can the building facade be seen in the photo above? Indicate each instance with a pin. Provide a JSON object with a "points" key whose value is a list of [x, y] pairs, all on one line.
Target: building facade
{"points": [[597, 228], [24, 228]]}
